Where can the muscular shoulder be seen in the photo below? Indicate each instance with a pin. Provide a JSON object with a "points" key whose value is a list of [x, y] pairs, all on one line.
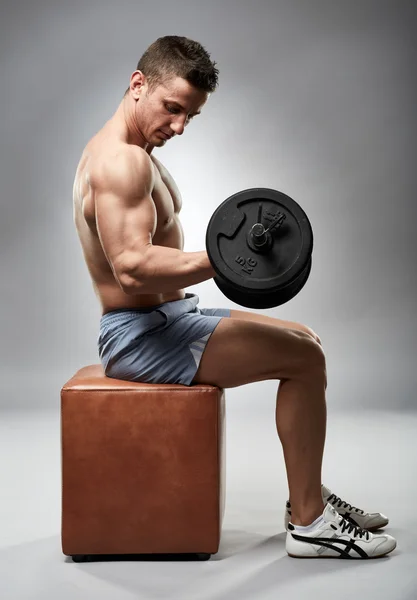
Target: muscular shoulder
{"points": [[124, 167]]}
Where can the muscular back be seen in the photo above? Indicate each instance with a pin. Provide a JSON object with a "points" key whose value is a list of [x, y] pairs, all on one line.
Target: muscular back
{"points": [[160, 209]]}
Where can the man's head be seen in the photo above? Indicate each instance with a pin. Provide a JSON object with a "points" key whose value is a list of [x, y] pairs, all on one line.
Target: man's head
{"points": [[173, 80]]}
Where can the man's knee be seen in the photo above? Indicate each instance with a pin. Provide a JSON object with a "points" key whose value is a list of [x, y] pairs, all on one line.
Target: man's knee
{"points": [[318, 340], [319, 362], [314, 357], [317, 359], [313, 334]]}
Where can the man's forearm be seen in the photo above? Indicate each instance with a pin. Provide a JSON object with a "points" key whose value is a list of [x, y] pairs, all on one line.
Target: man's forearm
{"points": [[163, 269]]}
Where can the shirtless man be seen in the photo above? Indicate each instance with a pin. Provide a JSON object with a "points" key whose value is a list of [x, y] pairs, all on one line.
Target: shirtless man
{"points": [[126, 211]]}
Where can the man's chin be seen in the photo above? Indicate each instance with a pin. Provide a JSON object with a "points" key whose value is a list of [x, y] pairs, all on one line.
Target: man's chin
{"points": [[158, 142]]}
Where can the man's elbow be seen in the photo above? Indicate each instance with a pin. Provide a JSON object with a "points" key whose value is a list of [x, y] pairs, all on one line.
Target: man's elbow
{"points": [[129, 285], [130, 278]]}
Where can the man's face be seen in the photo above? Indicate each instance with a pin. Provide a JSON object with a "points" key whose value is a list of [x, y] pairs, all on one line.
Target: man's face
{"points": [[168, 109]]}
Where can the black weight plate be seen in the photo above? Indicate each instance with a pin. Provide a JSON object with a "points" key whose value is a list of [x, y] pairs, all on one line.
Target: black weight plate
{"points": [[242, 267], [251, 299]]}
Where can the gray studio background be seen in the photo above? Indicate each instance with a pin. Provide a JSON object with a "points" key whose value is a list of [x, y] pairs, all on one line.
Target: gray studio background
{"points": [[316, 99]]}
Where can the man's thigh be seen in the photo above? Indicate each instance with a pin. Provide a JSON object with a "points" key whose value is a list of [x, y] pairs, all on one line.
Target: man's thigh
{"points": [[241, 351]]}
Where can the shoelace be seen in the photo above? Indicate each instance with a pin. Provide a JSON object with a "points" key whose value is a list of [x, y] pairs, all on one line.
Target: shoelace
{"points": [[351, 528], [335, 500]]}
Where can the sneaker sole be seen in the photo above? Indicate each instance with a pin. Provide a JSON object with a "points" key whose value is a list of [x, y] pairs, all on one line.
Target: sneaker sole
{"points": [[342, 558]]}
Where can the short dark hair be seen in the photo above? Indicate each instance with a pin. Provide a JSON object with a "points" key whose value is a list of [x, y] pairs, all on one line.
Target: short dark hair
{"points": [[175, 56]]}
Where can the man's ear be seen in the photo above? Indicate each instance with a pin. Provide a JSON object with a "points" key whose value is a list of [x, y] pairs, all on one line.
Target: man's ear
{"points": [[137, 83]]}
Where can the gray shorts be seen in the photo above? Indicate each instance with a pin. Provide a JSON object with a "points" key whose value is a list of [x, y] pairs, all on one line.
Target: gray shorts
{"points": [[163, 344]]}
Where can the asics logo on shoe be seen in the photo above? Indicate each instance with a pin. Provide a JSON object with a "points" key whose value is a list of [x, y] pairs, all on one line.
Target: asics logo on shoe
{"points": [[332, 544]]}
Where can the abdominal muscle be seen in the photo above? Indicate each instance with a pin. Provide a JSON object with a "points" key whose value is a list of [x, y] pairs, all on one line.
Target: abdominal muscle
{"points": [[112, 298]]}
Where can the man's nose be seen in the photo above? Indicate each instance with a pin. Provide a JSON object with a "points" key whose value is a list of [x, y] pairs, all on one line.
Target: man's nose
{"points": [[178, 126]]}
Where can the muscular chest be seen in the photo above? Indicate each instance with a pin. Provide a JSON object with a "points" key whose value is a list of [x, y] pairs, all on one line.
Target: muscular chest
{"points": [[167, 202], [168, 205]]}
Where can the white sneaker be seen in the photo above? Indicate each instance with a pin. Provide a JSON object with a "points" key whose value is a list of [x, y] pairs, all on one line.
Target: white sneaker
{"points": [[365, 520], [337, 538]]}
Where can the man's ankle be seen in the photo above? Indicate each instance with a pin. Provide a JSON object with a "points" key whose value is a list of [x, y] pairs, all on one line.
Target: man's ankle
{"points": [[305, 517]]}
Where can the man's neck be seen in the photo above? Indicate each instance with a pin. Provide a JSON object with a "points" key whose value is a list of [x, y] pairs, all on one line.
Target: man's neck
{"points": [[124, 120]]}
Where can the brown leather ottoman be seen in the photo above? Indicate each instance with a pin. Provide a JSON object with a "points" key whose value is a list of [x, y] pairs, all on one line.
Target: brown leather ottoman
{"points": [[143, 467]]}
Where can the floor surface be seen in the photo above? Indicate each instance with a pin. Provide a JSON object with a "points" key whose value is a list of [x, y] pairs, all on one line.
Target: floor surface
{"points": [[370, 461]]}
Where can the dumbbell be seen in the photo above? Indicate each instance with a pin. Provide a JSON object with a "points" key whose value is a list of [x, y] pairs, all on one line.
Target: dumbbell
{"points": [[260, 243]]}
